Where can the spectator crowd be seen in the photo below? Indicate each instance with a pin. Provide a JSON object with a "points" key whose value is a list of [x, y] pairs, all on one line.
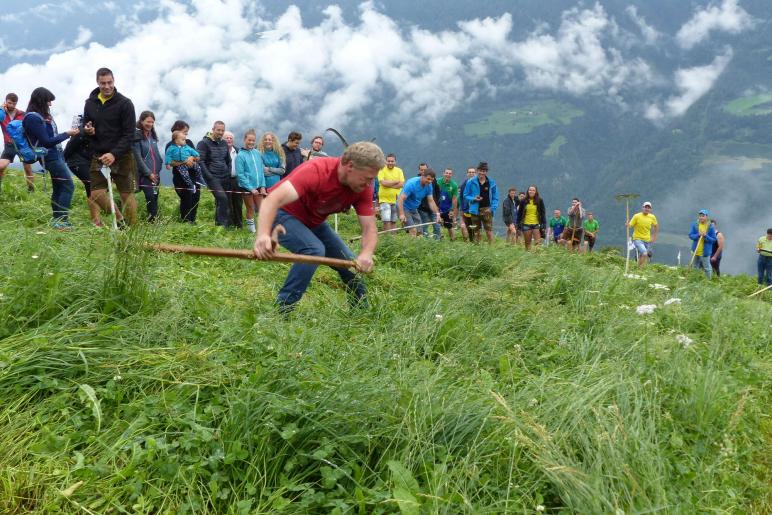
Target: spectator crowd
{"points": [[108, 145]]}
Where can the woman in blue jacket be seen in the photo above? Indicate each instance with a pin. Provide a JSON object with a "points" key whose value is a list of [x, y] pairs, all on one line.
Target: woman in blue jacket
{"points": [[40, 129], [250, 176], [274, 161], [148, 159]]}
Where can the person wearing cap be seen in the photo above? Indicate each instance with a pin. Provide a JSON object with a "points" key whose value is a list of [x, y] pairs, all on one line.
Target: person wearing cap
{"points": [[703, 236], [718, 249], [483, 197], [645, 229], [764, 248]]}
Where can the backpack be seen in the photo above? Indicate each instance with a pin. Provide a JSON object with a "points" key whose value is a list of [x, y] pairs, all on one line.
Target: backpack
{"points": [[27, 152]]}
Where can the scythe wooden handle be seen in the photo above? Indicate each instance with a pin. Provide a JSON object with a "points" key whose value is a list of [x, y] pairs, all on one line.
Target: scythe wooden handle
{"points": [[248, 254]]}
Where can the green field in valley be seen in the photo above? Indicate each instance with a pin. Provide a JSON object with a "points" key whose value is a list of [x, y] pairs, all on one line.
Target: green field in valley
{"points": [[554, 148], [479, 380], [523, 119], [750, 105]]}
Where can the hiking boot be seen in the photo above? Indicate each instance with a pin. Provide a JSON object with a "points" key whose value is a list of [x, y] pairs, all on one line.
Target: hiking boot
{"points": [[251, 226], [61, 225]]}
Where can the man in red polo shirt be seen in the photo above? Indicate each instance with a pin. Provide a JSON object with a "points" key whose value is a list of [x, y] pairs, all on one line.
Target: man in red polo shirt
{"points": [[303, 201], [9, 151]]}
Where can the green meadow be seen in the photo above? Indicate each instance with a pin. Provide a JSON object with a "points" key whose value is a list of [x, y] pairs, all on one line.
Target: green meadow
{"points": [[523, 119], [481, 379]]}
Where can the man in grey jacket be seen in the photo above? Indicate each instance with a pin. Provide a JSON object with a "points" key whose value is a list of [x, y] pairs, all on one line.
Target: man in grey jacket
{"points": [[216, 166]]}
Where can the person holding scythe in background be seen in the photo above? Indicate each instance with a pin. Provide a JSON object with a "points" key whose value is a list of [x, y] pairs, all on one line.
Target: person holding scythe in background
{"points": [[301, 204], [703, 236]]}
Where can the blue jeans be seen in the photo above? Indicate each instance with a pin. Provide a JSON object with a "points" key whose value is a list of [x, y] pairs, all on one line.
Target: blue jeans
{"points": [[61, 188], [428, 216], [151, 197], [313, 241], [704, 263], [765, 269]]}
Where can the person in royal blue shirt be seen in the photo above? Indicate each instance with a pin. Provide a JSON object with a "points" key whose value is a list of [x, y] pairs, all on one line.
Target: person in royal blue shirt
{"points": [[415, 190]]}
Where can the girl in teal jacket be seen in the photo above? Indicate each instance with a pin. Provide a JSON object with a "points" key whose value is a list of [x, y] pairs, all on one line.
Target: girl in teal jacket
{"points": [[251, 176]]}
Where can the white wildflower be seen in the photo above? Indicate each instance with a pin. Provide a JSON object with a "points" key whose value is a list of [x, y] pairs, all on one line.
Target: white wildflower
{"points": [[540, 508], [674, 300], [624, 306], [658, 286], [684, 340], [50, 273], [40, 232], [533, 402], [646, 309], [635, 276], [117, 378], [518, 348], [438, 317], [35, 256]]}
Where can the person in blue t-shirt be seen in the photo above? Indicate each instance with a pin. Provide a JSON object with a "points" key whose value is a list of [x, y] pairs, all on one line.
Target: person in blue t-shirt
{"points": [[413, 192]]}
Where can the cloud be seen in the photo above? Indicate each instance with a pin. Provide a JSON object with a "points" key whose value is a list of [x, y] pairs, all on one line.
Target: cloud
{"points": [[728, 17], [580, 58], [692, 84], [83, 37], [42, 12], [741, 208], [649, 33], [202, 60]]}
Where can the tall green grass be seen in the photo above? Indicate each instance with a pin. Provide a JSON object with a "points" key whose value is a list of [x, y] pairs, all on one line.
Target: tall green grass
{"points": [[481, 380]]}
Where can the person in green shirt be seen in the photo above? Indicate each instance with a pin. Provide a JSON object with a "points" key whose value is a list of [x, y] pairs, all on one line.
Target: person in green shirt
{"points": [[448, 201], [558, 223], [764, 248], [591, 227]]}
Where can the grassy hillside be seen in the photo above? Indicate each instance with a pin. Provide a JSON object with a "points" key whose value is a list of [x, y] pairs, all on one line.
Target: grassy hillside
{"points": [[481, 380]]}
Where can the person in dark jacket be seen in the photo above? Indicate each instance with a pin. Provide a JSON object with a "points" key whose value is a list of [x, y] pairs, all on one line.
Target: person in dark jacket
{"points": [[216, 165], [77, 155], [189, 196], [531, 217], [40, 127], [108, 119], [237, 196], [509, 210], [148, 159], [292, 152]]}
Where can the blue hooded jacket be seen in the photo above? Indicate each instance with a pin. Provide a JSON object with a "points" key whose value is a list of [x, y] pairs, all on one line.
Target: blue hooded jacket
{"points": [[708, 241], [472, 190]]}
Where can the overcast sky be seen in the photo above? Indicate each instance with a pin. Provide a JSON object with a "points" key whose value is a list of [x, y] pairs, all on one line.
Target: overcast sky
{"points": [[281, 68]]}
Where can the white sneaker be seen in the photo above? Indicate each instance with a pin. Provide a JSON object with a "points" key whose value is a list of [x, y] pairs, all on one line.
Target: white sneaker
{"points": [[251, 225]]}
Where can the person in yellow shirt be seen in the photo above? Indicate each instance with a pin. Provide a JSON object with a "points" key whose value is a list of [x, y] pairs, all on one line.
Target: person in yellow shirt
{"points": [[391, 178], [764, 248], [645, 230], [703, 236]]}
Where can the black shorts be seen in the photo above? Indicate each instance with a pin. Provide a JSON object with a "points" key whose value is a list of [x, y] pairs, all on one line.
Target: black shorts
{"points": [[447, 220], [9, 153]]}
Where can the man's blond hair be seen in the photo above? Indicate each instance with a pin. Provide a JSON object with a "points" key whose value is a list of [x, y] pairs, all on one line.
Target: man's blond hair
{"points": [[364, 154]]}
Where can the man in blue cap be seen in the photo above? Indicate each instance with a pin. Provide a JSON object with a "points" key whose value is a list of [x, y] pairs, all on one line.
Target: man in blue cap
{"points": [[703, 236]]}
